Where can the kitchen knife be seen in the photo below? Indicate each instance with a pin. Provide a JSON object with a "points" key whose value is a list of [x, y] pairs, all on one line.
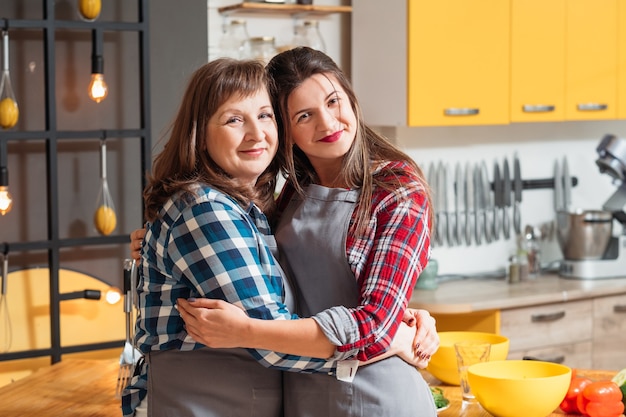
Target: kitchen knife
{"points": [[487, 203], [506, 199], [441, 197], [431, 177], [517, 190], [478, 206], [497, 198], [450, 212], [459, 203], [469, 204], [567, 186], [558, 187]]}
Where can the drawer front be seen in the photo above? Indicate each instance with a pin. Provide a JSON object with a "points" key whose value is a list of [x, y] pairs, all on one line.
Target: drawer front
{"points": [[609, 333], [548, 325], [577, 355]]}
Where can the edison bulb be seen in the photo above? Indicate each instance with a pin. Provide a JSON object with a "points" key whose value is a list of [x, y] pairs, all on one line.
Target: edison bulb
{"points": [[113, 295], [6, 202], [98, 89]]}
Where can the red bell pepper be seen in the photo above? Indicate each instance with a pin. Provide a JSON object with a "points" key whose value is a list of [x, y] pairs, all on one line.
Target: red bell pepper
{"points": [[569, 403], [600, 399]]}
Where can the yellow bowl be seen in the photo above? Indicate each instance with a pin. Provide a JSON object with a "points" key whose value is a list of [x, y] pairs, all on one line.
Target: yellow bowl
{"points": [[443, 365], [519, 388]]}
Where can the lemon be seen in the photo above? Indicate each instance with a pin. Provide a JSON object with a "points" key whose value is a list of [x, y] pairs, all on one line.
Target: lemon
{"points": [[620, 380], [105, 220], [8, 113], [89, 9]]}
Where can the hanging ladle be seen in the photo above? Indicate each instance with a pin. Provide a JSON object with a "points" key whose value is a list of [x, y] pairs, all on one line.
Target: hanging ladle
{"points": [[104, 219], [9, 112], [5, 318]]}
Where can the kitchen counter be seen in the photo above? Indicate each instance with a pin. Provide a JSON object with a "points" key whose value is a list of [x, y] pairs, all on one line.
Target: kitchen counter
{"points": [[85, 388], [72, 387], [476, 295], [457, 408]]}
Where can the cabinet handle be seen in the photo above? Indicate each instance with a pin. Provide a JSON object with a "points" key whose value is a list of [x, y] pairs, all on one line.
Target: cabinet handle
{"points": [[538, 108], [592, 107], [465, 111], [619, 308], [554, 359], [542, 318]]}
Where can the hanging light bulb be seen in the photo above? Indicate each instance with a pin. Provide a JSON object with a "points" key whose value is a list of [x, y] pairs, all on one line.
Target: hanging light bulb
{"points": [[98, 89], [9, 111], [6, 201]]}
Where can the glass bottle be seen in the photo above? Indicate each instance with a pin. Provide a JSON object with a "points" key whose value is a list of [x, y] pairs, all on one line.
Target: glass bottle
{"points": [[235, 40], [308, 34], [262, 48]]}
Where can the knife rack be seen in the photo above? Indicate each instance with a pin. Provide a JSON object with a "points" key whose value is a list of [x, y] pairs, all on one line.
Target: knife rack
{"points": [[536, 184]]}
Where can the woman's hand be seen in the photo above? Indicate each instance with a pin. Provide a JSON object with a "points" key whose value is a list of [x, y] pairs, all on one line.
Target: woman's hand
{"points": [[424, 341], [214, 323], [136, 240]]}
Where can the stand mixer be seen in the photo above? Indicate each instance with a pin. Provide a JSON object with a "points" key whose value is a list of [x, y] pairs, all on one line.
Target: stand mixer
{"points": [[612, 262]]}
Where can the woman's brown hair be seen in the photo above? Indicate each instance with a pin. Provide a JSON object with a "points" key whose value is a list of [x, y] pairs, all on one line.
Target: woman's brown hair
{"points": [[288, 70], [185, 161]]}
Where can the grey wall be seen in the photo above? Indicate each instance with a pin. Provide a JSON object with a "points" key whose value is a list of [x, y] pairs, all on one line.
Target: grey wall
{"points": [[178, 45]]}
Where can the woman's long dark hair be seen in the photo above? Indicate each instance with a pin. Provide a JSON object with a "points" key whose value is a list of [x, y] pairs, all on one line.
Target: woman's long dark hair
{"points": [[185, 161], [287, 71]]}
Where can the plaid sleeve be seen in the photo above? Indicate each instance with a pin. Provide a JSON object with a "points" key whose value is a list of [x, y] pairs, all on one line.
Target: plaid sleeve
{"points": [[219, 252], [388, 259]]}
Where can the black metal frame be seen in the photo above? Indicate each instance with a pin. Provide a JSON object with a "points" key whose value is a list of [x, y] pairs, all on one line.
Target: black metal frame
{"points": [[51, 135]]}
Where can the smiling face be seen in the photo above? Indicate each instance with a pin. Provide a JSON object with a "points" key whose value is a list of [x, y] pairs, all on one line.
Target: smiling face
{"points": [[323, 124], [242, 137]]}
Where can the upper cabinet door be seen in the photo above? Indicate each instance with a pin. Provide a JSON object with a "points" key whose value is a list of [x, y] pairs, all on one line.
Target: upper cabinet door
{"points": [[458, 62], [591, 59], [621, 62], [537, 60]]}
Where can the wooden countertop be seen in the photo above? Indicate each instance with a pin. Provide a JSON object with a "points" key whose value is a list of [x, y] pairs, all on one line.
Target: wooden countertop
{"points": [[72, 387], [474, 295], [85, 388], [453, 393]]}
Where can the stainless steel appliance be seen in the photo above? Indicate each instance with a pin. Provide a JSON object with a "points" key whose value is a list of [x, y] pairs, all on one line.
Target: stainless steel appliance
{"points": [[592, 231]]}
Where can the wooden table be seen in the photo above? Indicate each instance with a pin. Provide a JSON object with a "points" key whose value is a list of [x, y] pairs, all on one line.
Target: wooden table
{"points": [[86, 388], [72, 387], [457, 408]]}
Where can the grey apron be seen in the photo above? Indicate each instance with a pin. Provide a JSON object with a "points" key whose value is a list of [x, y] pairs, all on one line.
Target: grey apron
{"points": [[312, 238], [214, 382]]}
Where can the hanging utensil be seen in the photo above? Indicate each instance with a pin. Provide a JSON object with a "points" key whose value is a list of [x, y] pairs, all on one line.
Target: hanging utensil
{"points": [[506, 195], [558, 188], [459, 203], [104, 219], [498, 201], [9, 111], [469, 204], [478, 205], [517, 190], [5, 318], [488, 203], [442, 223], [567, 186], [451, 215]]}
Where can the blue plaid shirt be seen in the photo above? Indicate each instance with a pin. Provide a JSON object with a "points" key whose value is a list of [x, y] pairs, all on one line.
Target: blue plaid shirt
{"points": [[208, 246]]}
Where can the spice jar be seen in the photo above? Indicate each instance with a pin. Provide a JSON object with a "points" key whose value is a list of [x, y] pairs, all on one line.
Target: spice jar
{"points": [[235, 40], [308, 34], [262, 48]]}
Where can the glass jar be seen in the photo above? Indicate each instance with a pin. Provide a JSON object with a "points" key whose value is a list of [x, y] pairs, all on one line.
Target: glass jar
{"points": [[235, 40], [308, 34], [262, 48]]}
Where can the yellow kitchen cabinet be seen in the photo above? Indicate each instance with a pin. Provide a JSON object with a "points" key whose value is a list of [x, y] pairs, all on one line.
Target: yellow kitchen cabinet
{"points": [[621, 61], [458, 58], [537, 60], [432, 63], [591, 60]]}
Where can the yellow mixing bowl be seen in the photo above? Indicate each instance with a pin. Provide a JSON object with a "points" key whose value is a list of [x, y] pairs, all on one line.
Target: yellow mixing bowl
{"points": [[443, 365], [519, 388]]}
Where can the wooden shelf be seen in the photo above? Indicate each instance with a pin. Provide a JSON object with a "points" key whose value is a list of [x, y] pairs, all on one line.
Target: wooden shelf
{"points": [[292, 9]]}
